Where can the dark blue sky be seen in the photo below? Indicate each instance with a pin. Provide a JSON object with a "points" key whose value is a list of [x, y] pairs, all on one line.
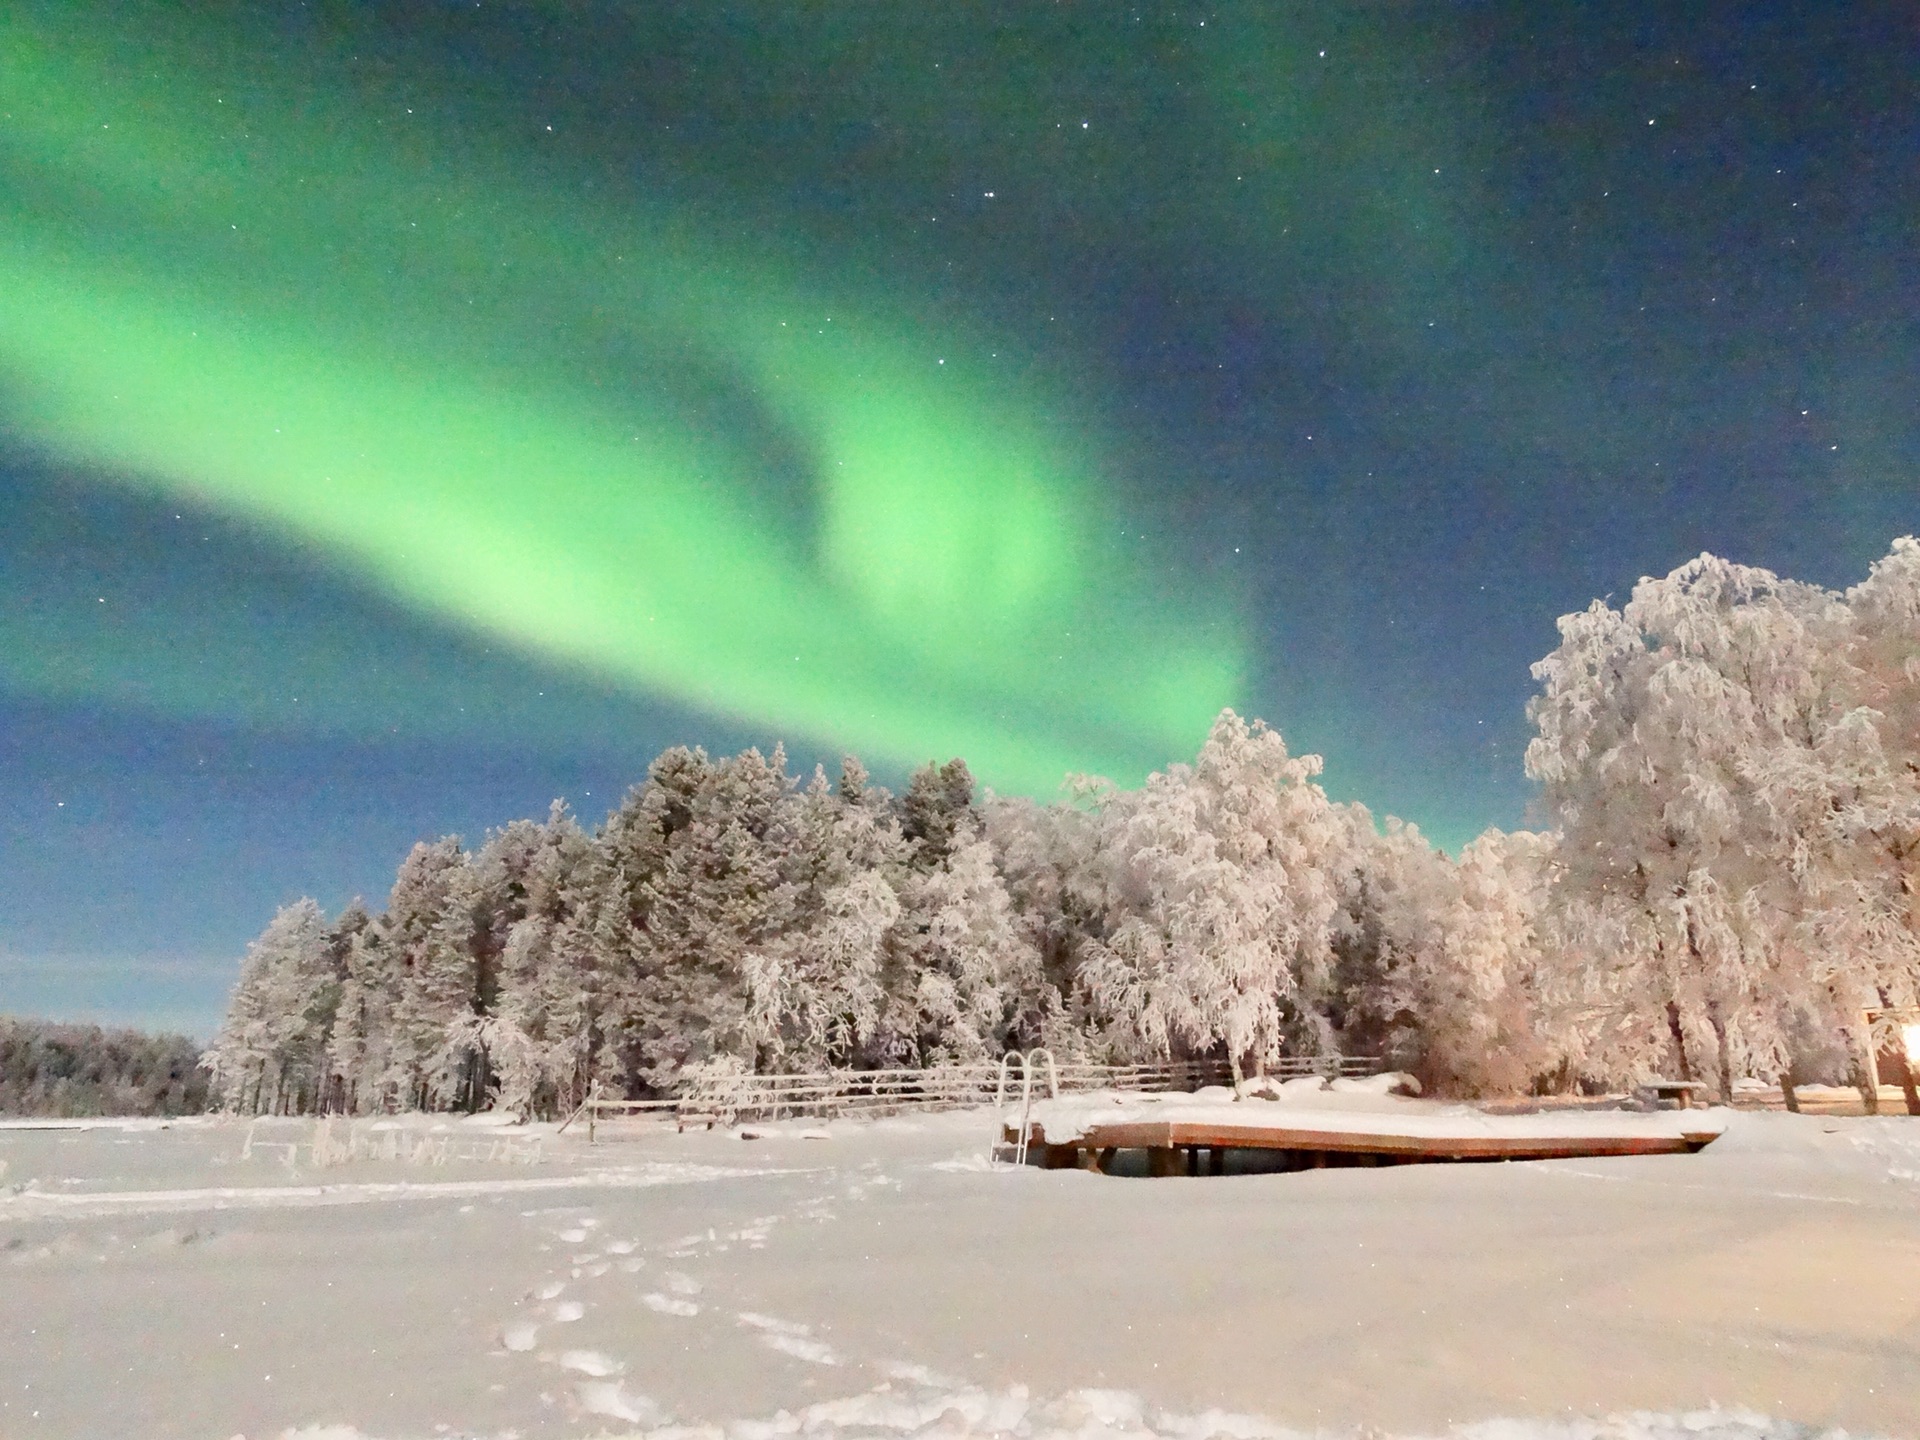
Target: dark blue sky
{"points": [[1420, 329]]}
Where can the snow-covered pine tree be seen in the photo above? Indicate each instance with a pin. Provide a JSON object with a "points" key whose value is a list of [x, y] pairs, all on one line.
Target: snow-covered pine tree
{"points": [[695, 885], [816, 991], [342, 936], [541, 1036], [429, 926], [360, 1049], [977, 987], [487, 898], [938, 798], [1046, 857], [269, 1054]]}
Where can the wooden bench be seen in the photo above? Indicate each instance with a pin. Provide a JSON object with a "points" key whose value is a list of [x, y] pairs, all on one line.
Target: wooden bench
{"points": [[1655, 1094]]}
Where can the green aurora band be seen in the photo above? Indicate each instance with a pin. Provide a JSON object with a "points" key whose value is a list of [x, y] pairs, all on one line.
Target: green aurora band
{"points": [[557, 421]]}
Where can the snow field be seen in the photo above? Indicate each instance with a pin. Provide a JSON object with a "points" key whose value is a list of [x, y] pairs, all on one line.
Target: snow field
{"points": [[902, 1290]]}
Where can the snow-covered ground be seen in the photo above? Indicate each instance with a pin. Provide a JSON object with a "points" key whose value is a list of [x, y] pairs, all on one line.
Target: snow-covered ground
{"points": [[883, 1281]]}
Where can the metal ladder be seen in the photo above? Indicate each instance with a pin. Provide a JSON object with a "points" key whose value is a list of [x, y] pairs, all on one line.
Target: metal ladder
{"points": [[1014, 1152]]}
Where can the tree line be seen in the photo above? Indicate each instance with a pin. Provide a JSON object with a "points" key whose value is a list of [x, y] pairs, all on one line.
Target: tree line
{"points": [[69, 1071], [1724, 886]]}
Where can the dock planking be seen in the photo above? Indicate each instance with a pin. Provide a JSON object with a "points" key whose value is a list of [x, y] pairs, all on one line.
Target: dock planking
{"points": [[1188, 1147]]}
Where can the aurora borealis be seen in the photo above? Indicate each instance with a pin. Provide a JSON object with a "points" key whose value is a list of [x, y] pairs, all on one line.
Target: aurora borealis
{"points": [[508, 392], [420, 411]]}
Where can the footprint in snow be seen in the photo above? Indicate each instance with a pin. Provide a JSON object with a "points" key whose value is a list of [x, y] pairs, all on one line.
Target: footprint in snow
{"points": [[789, 1339], [669, 1305], [682, 1284], [519, 1337], [551, 1290], [758, 1321], [814, 1352], [590, 1362], [567, 1311], [611, 1398]]}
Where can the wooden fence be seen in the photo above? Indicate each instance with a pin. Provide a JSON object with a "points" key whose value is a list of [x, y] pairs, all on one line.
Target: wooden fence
{"points": [[730, 1099]]}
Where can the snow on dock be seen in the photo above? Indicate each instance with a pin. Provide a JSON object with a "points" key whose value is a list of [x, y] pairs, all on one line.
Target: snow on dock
{"points": [[1191, 1133]]}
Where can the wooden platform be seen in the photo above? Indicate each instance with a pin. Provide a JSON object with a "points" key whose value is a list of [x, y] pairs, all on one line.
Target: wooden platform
{"points": [[1183, 1147]]}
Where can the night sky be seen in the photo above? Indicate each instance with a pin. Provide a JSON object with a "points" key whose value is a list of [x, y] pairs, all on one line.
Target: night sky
{"points": [[412, 413]]}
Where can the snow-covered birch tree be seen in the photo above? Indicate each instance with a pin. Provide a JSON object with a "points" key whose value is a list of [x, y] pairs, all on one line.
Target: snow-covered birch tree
{"points": [[1680, 740], [1219, 898]]}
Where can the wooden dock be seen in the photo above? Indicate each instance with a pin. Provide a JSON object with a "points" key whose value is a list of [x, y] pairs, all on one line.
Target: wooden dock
{"points": [[1199, 1147]]}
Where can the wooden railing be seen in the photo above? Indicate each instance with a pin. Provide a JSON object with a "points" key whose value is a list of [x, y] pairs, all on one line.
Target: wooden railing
{"points": [[729, 1099]]}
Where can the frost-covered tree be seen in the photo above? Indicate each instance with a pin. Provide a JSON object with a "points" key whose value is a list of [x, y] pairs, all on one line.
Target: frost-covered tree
{"points": [[360, 1056], [1046, 857], [1393, 891], [540, 1035], [343, 935], [1482, 995], [269, 1055], [1440, 966], [817, 991], [1692, 747], [976, 982], [938, 799], [1218, 895], [1845, 796], [429, 923], [696, 885]]}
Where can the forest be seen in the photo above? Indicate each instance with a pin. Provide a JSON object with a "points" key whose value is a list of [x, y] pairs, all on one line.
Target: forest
{"points": [[1723, 885], [78, 1070]]}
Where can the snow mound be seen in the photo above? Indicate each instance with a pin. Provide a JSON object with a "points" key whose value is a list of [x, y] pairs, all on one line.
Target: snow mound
{"points": [[1693, 1425], [1394, 1082], [966, 1162], [946, 1413], [1266, 1087]]}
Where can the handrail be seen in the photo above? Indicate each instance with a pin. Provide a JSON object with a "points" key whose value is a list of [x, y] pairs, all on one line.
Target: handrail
{"points": [[1026, 1109], [1007, 1062]]}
